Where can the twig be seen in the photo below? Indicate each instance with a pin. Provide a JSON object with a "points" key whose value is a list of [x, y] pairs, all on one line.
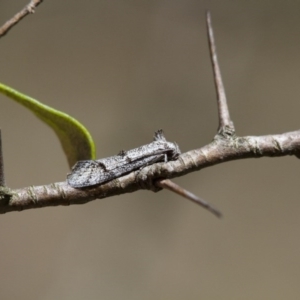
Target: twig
{"points": [[28, 9], [2, 178], [173, 187], [218, 151], [225, 123]]}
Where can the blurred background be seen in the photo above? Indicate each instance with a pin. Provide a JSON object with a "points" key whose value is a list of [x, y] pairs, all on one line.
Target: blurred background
{"points": [[126, 69]]}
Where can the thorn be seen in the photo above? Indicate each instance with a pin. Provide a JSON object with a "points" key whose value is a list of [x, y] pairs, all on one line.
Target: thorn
{"points": [[173, 187], [224, 117]]}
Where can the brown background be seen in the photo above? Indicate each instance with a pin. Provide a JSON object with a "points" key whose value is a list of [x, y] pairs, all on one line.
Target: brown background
{"points": [[125, 69]]}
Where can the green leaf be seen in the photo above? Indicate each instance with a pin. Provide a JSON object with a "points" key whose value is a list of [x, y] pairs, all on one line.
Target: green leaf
{"points": [[75, 139]]}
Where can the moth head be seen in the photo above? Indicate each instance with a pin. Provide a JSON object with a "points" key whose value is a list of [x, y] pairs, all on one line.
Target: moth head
{"points": [[174, 151]]}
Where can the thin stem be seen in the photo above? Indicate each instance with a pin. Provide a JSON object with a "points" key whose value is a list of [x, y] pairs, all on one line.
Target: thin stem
{"points": [[224, 117], [172, 186], [28, 9], [2, 178]]}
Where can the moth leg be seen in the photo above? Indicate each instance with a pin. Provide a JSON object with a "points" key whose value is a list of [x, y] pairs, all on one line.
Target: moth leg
{"points": [[165, 158]]}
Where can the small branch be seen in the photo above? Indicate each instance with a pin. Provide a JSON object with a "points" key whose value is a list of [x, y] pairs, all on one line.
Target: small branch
{"points": [[218, 151], [172, 186], [225, 122], [2, 177], [28, 9]]}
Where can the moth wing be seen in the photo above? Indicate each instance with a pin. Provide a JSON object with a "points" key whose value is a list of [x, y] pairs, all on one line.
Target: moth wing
{"points": [[86, 173]]}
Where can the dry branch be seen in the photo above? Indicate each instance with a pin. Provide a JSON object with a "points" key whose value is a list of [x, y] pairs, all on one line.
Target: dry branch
{"points": [[226, 146], [220, 150], [28, 9]]}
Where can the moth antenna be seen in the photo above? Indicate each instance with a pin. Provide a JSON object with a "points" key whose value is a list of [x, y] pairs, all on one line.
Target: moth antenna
{"points": [[173, 187]]}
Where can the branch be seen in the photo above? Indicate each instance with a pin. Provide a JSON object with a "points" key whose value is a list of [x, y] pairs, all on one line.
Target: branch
{"points": [[226, 146], [225, 124], [173, 187], [218, 151], [28, 9]]}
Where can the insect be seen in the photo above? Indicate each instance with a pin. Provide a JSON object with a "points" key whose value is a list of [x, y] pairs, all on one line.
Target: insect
{"points": [[87, 173]]}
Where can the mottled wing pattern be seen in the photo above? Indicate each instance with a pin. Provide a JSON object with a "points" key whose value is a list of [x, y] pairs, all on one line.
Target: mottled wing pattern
{"points": [[135, 165], [86, 173], [94, 172]]}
